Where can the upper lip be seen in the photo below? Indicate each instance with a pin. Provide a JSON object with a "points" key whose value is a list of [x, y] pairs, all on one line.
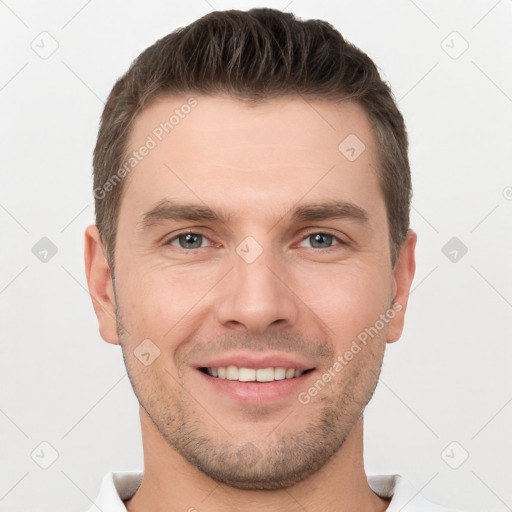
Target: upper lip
{"points": [[256, 361]]}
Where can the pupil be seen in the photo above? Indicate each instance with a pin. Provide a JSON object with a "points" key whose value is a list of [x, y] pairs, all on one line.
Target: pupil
{"points": [[321, 239], [190, 241]]}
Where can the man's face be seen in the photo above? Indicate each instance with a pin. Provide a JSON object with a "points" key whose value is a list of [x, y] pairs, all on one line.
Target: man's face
{"points": [[246, 239]]}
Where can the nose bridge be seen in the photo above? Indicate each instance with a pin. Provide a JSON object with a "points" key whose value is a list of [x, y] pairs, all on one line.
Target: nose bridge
{"points": [[255, 297]]}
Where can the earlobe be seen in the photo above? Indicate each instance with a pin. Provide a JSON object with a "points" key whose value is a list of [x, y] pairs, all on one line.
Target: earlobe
{"points": [[403, 276], [100, 285]]}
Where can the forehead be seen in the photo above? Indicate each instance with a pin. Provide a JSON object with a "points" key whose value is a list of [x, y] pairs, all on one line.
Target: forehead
{"points": [[219, 149], [202, 122]]}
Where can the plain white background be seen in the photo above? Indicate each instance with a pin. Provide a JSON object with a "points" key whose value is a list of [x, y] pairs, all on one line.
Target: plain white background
{"points": [[447, 380]]}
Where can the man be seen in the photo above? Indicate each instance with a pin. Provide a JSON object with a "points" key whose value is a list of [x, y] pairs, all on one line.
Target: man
{"points": [[252, 256]]}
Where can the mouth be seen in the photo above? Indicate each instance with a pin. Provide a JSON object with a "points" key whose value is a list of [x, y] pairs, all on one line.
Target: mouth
{"points": [[242, 374], [255, 379]]}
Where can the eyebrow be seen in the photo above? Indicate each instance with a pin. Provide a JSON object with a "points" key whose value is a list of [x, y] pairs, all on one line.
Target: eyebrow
{"points": [[330, 210], [168, 210]]}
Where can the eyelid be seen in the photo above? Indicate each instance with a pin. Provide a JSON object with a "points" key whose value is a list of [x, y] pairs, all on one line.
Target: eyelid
{"points": [[341, 237]]}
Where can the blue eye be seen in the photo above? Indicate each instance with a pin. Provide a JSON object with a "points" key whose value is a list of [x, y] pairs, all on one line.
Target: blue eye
{"points": [[192, 241], [188, 240], [321, 240]]}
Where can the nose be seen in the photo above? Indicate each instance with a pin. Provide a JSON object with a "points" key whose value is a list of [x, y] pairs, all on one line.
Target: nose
{"points": [[256, 296]]}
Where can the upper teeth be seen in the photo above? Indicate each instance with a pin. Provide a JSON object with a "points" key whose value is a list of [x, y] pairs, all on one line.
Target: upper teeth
{"points": [[253, 374]]}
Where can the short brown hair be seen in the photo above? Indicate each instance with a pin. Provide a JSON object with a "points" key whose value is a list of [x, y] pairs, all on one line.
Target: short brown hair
{"points": [[255, 55]]}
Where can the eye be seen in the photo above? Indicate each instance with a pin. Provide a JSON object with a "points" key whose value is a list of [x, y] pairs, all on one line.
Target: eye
{"points": [[321, 240], [188, 240]]}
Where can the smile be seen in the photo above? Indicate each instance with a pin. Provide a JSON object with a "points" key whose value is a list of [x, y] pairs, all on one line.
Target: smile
{"points": [[242, 374]]}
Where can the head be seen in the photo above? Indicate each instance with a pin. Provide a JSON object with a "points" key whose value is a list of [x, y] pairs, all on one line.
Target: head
{"points": [[252, 193]]}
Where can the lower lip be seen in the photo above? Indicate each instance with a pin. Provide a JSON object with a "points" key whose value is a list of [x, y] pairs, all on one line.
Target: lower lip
{"points": [[257, 392]]}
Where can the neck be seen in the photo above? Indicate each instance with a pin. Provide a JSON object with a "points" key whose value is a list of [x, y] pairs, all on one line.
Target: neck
{"points": [[170, 483]]}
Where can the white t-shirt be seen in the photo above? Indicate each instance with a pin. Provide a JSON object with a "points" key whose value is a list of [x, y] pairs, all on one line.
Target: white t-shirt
{"points": [[122, 485]]}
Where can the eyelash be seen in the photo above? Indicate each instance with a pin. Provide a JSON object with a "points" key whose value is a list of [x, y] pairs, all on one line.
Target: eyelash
{"points": [[307, 235]]}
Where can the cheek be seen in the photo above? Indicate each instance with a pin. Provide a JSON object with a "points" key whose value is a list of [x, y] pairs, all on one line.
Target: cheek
{"points": [[159, 303], [351, 300]]}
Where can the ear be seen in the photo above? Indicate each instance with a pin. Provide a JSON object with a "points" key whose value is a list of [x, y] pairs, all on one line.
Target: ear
{"points": [[403, 275], [100, 285]]}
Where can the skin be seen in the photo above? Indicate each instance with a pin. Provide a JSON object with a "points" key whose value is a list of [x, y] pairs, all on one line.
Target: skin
{"points": [[308, 301]]}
